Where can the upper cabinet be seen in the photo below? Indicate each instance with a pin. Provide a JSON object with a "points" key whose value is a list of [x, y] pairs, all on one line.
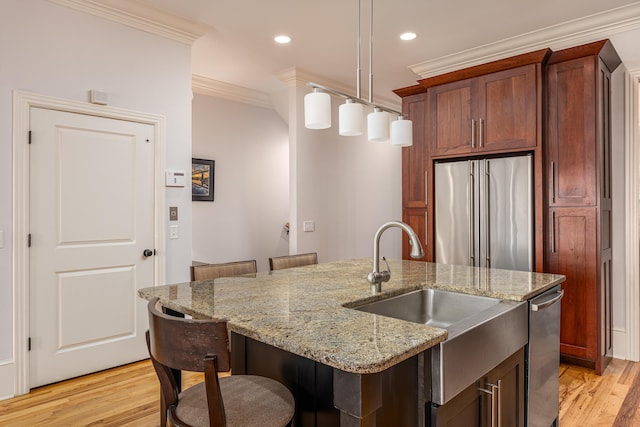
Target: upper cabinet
{"points": [[413, 179], [493, 112], [575, 89]]}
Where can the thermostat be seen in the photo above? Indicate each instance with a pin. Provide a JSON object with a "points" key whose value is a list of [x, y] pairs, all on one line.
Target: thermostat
{"points": [[175, 179]]}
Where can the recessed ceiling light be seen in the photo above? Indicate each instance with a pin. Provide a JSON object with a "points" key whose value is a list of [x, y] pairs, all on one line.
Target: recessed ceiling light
{"points": [[408, 36], [282, 39]]}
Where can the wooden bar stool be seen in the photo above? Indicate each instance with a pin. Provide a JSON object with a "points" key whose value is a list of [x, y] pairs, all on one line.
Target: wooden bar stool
{"points": [[203, 346], [227, 269], [289, 261]]}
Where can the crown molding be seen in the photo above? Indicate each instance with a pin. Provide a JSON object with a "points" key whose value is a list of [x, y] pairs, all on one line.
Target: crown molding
{"points": [[297, 77], [210, 87], [145, 18], [568, 34]]}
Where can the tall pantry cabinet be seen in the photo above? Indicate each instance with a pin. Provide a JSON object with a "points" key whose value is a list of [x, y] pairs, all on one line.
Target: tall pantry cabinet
{"points": [[556, 106], [578, 166]]}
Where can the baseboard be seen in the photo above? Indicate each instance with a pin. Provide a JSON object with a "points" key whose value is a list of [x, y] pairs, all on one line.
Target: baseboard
{"points": [[7, 380], [620, 350]]}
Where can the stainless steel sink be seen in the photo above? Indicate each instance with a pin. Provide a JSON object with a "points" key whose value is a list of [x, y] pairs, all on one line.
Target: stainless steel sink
{"points": [[432, 307], [482, 332]]}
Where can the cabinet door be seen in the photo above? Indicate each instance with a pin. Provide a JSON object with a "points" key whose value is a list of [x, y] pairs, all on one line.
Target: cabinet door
{"points": [[507, 109], [469, 409], [413, 157], [508, 379], [572, 252], [571, 133], [416, 219], [496, 399], [450, 112]]}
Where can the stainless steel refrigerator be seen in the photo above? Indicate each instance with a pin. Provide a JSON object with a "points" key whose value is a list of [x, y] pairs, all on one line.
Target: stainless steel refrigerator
{"points": [[484, 212]]}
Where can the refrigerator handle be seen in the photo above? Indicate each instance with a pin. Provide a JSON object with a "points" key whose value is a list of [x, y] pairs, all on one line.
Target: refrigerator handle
{"points": [[473, 133], [472, 210], [487, 199]]}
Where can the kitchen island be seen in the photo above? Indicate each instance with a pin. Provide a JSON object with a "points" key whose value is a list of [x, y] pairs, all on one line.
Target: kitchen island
{"points": [[298, 326]]}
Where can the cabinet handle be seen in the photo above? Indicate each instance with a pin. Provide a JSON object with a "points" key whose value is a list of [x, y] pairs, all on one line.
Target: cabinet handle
{"points": [[553, 232], [498, 413], [426, 187], [494, 390], [553, 182], [426, 229], [473, 133], [481, 133]]}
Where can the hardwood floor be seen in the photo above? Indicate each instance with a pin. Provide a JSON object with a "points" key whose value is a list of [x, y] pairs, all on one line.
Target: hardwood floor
{"points": [[609, 400], [128, 396]]}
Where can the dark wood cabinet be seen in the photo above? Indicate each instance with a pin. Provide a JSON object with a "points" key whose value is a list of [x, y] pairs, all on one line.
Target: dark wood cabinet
{"points": [[571, 133], [414, 179], [498, 394], [578, 166], [451, 113], [484, 110], [572, 253], [493, 112]]}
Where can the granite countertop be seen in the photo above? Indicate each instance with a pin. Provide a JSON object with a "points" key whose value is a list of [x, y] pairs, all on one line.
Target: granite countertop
{"points": [[304, 310]]}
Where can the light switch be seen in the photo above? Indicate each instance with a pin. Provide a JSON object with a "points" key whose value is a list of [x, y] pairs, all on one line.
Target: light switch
{"points": [[308, 226], [174, 232], [173, 213]]}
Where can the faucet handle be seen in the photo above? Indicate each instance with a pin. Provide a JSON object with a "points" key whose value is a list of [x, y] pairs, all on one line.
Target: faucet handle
{"points": [[388, 268]]}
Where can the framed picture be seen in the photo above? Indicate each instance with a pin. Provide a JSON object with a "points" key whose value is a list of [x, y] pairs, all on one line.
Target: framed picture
{"points": [[202, 179]]}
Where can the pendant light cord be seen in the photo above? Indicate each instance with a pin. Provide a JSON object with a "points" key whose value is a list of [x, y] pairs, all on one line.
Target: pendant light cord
{"points": [[358, 71], [370, 52]]}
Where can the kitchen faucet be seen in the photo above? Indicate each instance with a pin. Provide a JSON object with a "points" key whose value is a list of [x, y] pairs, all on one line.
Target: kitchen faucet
{"points": [[376, 277]]}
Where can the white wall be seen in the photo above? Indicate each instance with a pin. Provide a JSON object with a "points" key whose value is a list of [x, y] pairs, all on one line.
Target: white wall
{"points": [[251, 148], [618, 213], [347, 185], [52, 50]]}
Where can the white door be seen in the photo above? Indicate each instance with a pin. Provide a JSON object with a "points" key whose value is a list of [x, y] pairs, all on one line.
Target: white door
{"points": [[91, 218]]}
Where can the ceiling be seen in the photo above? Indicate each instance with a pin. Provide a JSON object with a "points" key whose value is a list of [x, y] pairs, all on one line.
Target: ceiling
{"points": [[239, 48]]}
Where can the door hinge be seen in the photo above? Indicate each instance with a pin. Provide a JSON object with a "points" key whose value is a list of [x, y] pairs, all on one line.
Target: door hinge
{"points": [[29, 240], [29, 344], [29, 137]]}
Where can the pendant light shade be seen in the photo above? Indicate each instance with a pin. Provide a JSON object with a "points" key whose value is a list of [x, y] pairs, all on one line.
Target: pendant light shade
{"points": [[317, 110], [351, 114], [402, 132], [378, 126]]}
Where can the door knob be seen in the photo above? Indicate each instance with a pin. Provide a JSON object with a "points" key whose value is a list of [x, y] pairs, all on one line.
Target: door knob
{"points": [[147, 253]]}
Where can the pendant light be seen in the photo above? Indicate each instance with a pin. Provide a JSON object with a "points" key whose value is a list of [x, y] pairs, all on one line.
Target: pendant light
{"points": [[402, 132], [351, 115], [378, 126], [317, 110]]}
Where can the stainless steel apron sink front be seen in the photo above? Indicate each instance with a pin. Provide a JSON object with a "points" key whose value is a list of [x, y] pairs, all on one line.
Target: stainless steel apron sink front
{"points": [[482, 332]]}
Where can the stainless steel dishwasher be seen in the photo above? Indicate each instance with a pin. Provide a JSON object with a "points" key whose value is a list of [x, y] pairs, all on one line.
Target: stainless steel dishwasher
{"points": [[543, 359]]}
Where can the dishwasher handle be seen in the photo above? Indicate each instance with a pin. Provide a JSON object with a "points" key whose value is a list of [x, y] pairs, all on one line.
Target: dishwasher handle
{"points": [[547, 303]]}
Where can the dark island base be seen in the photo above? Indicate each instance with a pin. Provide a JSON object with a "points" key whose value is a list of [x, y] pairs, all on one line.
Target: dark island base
{"points": [[327, 396]]}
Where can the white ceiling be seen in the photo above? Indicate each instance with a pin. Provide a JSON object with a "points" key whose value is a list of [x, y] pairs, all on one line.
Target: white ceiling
{"points": [[239, 47]]}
